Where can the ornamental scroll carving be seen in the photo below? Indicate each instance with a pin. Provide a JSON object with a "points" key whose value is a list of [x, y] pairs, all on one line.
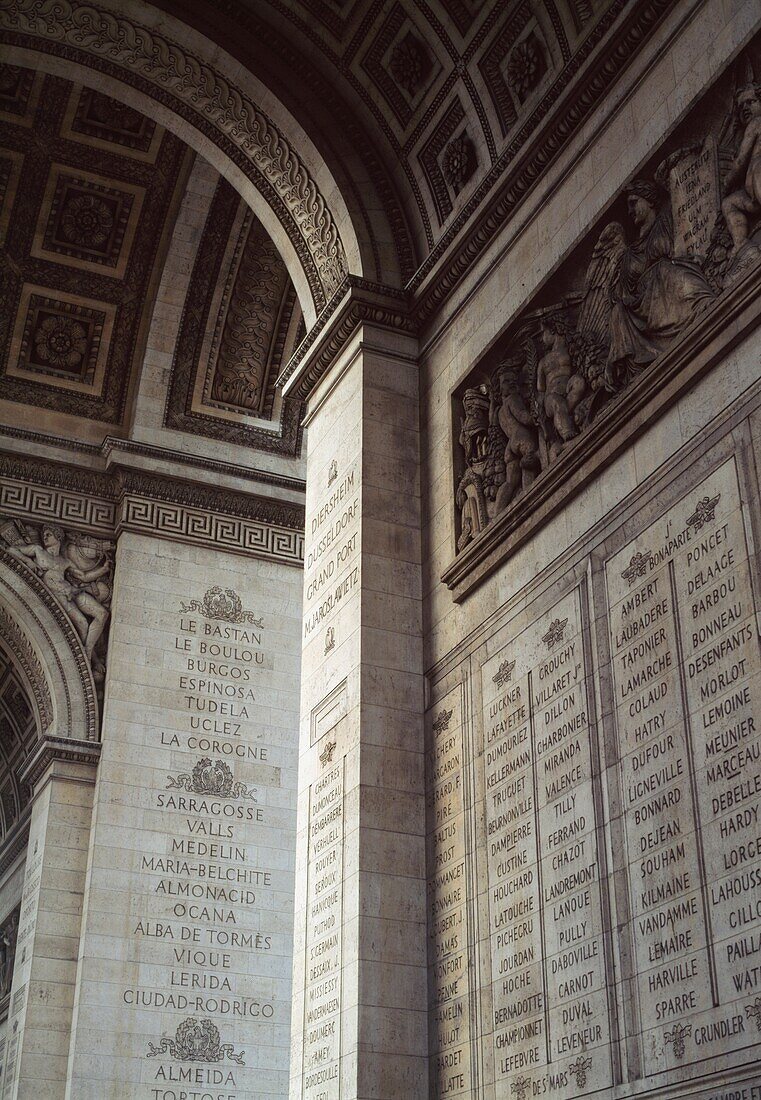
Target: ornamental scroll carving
{"points": [[77, 569], [688, 230]]}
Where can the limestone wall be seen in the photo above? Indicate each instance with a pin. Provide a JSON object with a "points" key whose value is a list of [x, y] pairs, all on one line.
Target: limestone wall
{"points": [[592, 774], [184, 974]]}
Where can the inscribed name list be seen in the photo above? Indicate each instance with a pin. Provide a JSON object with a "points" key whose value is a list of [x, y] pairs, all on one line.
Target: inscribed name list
{"points": [[549, 1002], [213, 898], [449, 982], [686, 672], [322, 1005]]}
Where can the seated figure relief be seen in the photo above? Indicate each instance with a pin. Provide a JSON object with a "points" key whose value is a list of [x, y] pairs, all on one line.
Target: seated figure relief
{"points": [[689, 233]]}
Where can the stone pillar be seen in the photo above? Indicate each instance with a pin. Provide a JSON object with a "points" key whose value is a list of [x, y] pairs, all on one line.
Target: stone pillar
{"points": [[62, 775], [184, 985], [359, 1023]]}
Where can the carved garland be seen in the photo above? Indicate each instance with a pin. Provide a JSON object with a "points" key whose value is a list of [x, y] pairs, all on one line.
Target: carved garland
{"points": [[198, 86]]}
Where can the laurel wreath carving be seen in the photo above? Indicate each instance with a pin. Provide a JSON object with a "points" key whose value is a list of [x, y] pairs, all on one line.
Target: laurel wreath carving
{"points": [[210, 779], [196, 1041], [206, 91]]}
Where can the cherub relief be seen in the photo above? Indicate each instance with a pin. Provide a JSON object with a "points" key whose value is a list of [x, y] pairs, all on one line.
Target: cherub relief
{"points": [[512, 413], [559, 386], [743, 181], [78, 570]]}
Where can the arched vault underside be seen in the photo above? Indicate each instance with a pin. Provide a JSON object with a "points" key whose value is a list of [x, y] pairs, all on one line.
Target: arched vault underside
{"points": [[411, 134]]}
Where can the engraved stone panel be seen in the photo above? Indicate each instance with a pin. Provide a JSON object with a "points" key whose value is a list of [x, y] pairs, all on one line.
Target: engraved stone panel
{"points": [[322, 1005], [188, 927], [687, 676], [448, 934], [550, 1025]]}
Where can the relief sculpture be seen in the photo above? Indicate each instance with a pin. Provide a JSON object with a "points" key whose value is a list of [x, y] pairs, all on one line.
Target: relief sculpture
{"points": [[77, 569], [687, 231]]}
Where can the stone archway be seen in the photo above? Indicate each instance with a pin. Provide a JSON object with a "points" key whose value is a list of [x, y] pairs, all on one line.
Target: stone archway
{"points": [[48, 652], [53, 778], [279, 174]]}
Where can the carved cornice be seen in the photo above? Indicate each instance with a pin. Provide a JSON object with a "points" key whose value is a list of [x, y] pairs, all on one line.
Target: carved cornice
{"points": [[707, 342], [225, 501], [357, 301], [112, 446], [153, 503], [200, 93], [50, 749]]}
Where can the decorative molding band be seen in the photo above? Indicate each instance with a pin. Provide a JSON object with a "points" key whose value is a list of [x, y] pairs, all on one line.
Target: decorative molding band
{"points": [[220, 532], [24, 653], [357, 301], [188, 494], [103, 504], [45, 502], [210, 102], [50, 749], [112, 446], [708, 341]]}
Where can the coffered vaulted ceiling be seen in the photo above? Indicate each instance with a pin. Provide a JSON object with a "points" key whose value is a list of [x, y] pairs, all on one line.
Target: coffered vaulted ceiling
{"points": [[434, 118], [438, 104], [89, 194]]}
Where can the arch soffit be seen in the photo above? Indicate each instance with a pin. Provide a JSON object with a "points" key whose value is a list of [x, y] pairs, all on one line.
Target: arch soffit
{"points": [[48, 653], [217, 107]]}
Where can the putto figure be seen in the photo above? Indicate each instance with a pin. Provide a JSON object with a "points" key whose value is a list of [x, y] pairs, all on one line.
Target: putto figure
{"points": [[77, 569], [512, 413], [743, 203]]}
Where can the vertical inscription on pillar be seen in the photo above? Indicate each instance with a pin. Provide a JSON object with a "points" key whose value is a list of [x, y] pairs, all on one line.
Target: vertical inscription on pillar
{"points": [[550, 1017], [449, 977], [687, 678], [331, 569], [322, 1006]]}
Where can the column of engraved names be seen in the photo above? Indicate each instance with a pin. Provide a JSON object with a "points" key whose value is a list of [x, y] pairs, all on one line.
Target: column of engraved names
{"points": [[515, 929], [722, 673], [673, 959], [331, 569], [572, 904], [449, 985], [322, 1006], [215, 921]]}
